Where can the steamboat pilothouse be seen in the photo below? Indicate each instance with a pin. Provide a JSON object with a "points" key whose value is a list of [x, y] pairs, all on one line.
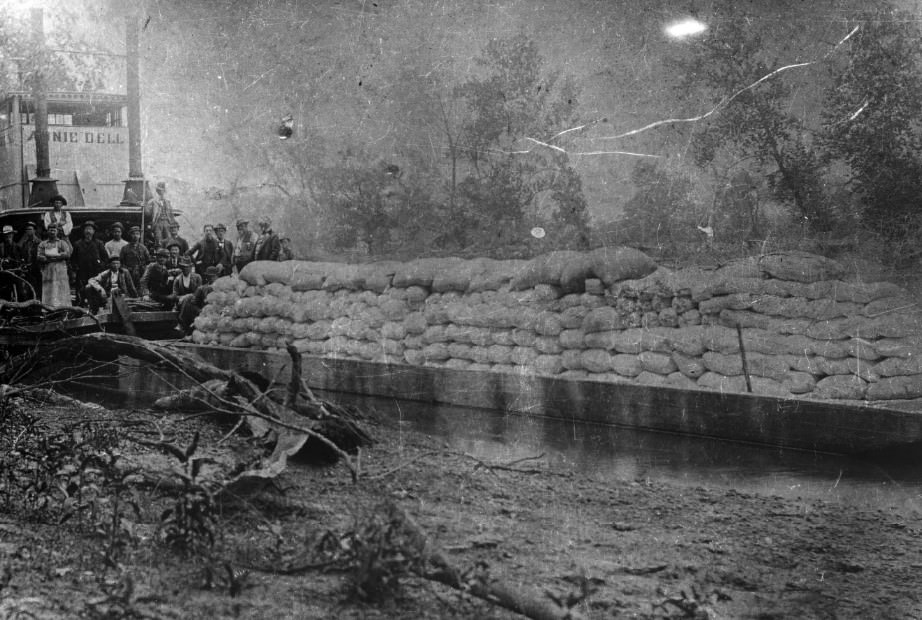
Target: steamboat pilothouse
{"points": [[88, 145]]}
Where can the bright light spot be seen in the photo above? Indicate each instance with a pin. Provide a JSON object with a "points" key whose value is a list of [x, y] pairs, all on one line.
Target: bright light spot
{"points": [[685, 28], [537, 232]]}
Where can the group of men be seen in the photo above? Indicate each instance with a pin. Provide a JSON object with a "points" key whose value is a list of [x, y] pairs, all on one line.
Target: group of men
{"points": [[169, 272]]}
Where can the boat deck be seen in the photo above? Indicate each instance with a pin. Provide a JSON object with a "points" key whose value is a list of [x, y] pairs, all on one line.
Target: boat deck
{"points": [[148, 324]]}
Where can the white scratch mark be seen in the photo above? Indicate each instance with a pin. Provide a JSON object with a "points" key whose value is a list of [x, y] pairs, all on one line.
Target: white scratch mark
{"points": [[550, 146], [616, 153], [860, 110], [727, 100]]}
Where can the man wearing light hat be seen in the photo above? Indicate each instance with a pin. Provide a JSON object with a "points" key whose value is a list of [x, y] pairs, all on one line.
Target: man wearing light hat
{"points": [[10, 258], [89, 258]]}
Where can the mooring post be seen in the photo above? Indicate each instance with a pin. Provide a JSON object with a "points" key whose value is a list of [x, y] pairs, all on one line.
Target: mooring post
{"points": [[739, 335]]}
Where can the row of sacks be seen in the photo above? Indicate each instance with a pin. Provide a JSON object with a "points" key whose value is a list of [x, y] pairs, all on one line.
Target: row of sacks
{"points": [[565, 270], [576, 333]]}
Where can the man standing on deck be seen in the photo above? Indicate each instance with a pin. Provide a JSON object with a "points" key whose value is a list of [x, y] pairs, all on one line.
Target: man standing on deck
{"points": [[58, 215], [246, 245], [10, 258], [174, 236], [226, 265], [205, 253], [28, 250], [160, 213], [53, 253], [268, 245], [89, 258], [116, 243], [134, 257]]}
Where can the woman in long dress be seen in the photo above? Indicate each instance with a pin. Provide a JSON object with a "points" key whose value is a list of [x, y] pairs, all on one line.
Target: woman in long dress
{"points": [[53, 254]]}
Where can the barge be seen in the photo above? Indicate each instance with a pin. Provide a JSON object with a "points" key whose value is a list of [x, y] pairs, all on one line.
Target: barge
{"points": [[821, 426]]}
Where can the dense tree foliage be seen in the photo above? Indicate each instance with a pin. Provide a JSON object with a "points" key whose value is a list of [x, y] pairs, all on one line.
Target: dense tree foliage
{"points": [[752, 127], [660, 212], [858, 158], [872, 121], [515, 177]]}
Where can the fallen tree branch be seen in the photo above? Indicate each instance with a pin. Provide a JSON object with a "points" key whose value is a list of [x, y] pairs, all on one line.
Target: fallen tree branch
{"points": [[497, 592], [280, 418]]}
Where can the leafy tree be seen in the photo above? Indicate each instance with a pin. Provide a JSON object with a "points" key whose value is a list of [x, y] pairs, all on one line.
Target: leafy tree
{"points": [[751, 127], [873, 120], [659, 211], [512, 108], [23, 57]]}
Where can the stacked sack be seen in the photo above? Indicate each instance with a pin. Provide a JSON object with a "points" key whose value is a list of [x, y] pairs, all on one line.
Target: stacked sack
{"points": [[604, 315]]}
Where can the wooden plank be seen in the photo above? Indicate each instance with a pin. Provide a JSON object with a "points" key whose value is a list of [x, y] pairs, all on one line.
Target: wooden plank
{"points": [[794, 423]]}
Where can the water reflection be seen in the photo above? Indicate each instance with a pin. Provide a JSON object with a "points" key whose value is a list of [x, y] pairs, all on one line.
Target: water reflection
{"points": [[607, 452]]}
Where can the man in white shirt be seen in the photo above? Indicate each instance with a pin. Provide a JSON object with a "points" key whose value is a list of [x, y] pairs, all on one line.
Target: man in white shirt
{"points": [[116, 243]]}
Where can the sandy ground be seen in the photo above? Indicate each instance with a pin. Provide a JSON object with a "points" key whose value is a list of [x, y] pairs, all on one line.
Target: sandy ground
{"points": [[644, 550]]}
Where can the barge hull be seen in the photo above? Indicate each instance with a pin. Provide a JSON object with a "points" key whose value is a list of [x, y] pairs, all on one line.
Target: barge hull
{"points": [[841, 428]]}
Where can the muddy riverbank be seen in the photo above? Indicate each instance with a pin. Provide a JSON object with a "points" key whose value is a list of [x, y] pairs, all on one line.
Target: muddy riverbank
{"points": [[643, 549]]}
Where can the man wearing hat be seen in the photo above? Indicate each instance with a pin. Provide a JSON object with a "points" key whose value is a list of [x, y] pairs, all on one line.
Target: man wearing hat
{"points": [[268, 245], [58, 215], [116, 243], [174, 237], [53, 255], [246, 245], [205, 253], [286, 253], [134, 256], [114, 281], [226, 256], [88, 259], [10, 255], [156, 283], [159, 212], [186, 283], [10, 258], [191, 305], [28, 250]]}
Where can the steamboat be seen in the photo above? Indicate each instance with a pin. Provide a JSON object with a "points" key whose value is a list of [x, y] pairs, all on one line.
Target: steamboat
{"points": [[75, 145]]}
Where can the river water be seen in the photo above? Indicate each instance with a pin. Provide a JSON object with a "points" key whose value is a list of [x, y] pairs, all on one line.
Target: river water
{"points": [[891, 482]]}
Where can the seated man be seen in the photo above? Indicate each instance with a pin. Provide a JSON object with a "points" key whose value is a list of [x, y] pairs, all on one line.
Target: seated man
{"points": [[192, 305], [114, 281], [156, 283], [184, 287]]}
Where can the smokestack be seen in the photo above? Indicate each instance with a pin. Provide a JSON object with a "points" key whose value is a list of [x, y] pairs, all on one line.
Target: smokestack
{"points": [[43, 186], [137, 190]]}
